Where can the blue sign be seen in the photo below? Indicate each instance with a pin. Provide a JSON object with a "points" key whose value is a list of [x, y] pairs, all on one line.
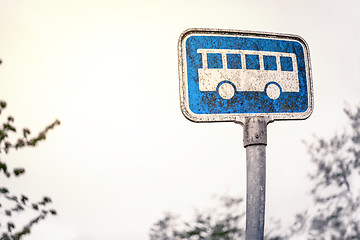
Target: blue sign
{"points": [[229, 74]]}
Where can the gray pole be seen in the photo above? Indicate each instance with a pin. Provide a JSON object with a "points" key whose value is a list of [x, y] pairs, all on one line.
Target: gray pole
{"points": [[255, 140]]}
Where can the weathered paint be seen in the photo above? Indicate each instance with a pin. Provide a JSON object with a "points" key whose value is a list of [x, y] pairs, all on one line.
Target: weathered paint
{"points": [[282, 90]]}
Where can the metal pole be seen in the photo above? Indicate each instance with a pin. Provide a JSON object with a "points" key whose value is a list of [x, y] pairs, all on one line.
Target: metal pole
{"points": [[255, 140]]}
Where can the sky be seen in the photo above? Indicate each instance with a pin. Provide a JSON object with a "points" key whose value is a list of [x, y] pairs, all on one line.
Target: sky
{"points": [[124, 153]]}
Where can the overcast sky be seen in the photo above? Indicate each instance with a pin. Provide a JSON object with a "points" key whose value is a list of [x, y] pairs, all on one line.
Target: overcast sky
{"points": [[124, 153]]}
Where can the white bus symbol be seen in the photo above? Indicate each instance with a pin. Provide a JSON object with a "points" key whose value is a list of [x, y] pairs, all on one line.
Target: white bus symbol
{"points": [[247, 70]]}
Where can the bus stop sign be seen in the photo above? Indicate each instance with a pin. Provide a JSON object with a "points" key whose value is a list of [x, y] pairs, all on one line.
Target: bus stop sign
{"points": [[228, 75]]}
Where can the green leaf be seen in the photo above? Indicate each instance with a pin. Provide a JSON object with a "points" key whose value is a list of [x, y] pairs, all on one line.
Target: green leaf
{"points": [[3, 167], [4, 236], [4, 190], [9, 127], [20, 143], [7, 146], [2, 104], [24, 199], [18, 208], [11, 119], [10, 226], [53, 212], [26, 132], [12, 198], [3, 135], [46, 199], [32, 142], [42, 136], [19, 171]]}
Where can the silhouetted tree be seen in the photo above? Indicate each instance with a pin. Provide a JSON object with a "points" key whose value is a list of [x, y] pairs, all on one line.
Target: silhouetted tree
{"points": [[10, 204], [336, 189], [220, 223], [335, 214]]}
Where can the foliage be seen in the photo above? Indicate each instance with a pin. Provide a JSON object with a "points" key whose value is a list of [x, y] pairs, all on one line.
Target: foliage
{"points": [[336, 189], [11, 205], [335, 214], [221, 223]]}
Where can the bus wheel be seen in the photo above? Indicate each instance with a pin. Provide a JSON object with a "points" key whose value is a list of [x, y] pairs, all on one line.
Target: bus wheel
{"points": [[226, 90], [273, 91]]}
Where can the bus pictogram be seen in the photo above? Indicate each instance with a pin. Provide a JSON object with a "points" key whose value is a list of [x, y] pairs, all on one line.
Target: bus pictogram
{"points": [[228, 70]]}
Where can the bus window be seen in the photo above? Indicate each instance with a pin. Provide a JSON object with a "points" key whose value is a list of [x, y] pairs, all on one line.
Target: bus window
{"points": [[214, 60], [252, 61], [286, 64], [270, 62], [233, 61]]}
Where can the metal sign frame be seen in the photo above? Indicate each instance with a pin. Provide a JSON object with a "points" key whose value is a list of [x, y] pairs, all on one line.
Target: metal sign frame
{"points": [[306, 86]]}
